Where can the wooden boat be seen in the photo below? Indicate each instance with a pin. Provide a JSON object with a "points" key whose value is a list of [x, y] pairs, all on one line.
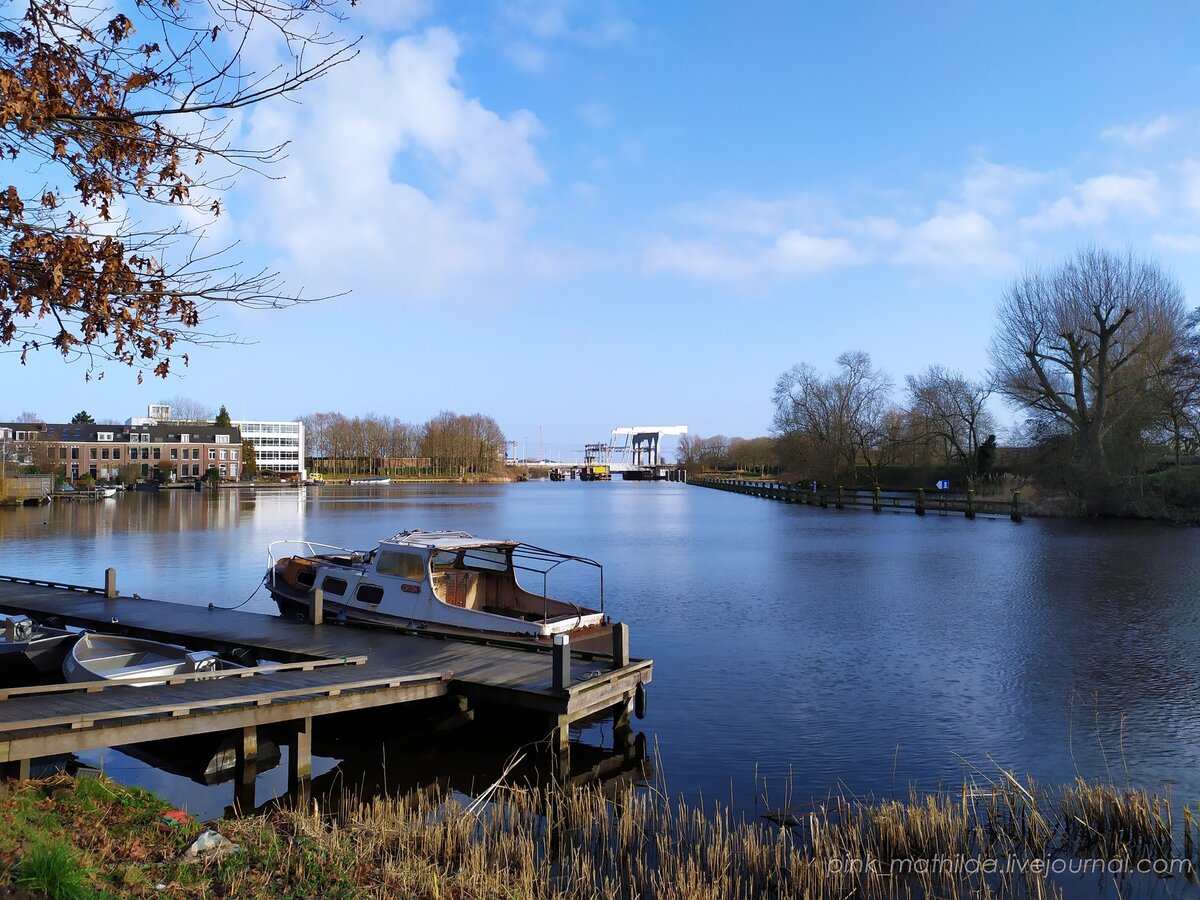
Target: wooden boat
{"points": [[29, 650], [441, 579], [105, 657], [370, 481]]}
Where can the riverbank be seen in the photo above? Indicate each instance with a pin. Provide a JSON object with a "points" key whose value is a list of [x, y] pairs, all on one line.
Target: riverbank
{"points": [[998, 835]]}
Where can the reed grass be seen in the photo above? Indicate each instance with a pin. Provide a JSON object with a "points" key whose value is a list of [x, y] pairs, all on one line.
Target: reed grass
{"points": [[643, 844]]}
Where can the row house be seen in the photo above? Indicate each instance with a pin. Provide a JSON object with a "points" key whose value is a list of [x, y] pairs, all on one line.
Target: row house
{"points": [[106, 452]]}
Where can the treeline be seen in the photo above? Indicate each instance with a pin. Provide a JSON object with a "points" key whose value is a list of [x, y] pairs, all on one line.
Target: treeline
{"points": [[448, 443], [1099, 356]]}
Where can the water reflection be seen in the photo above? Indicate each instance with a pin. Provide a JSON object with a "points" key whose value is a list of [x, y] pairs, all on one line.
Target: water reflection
{"points": [[821, 647]]}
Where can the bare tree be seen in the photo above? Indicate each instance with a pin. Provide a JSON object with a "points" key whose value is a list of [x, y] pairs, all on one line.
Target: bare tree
{"points": [[1175, 390], [119, 109], [1077, 345], [189, 411], [832, 423], [952, 409]]}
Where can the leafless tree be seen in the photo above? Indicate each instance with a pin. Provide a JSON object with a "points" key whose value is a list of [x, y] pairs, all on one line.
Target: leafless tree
{"points": [[951, 409], [1077, 344], [190, 412], [833, 423]]}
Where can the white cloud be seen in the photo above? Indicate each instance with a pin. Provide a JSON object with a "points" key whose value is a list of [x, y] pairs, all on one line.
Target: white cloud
{"points": [[1190, 170], [527, 57], [792, 253], [953, 239], [1094, 201], [997, 190], [1186, 243], [1140, 134], [397, 182]]}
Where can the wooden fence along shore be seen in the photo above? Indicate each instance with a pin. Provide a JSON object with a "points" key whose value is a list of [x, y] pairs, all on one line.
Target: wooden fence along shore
{"points": [[920, 502]]}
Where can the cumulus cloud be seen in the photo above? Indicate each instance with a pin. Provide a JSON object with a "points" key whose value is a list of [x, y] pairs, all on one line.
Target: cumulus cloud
{"points": [[954, 239], [1095, 200], [1140, 134], [791, 253], [397, 180]]}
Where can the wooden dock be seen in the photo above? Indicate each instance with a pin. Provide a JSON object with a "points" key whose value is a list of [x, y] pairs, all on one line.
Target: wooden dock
{"points": [[878, 500], [316, 670]]}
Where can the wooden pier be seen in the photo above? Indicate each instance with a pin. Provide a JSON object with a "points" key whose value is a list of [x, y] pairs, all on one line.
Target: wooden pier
{"points": [[315, 670], [876, 499]]}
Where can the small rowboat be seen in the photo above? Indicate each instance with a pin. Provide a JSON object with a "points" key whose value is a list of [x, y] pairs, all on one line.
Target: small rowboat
{"points": [[28, 648], [104, 657]]}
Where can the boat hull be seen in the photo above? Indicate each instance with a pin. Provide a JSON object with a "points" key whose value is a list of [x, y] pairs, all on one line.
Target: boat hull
{"points": [[135, 661]]}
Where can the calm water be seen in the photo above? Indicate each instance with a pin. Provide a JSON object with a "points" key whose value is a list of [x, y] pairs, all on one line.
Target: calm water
{"points": [[837, 650]]}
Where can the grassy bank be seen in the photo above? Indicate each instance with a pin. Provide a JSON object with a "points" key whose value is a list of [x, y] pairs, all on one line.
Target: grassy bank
{"points": [[92, 837]]}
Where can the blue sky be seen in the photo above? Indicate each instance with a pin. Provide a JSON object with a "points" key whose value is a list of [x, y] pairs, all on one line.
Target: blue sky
{"points": [[582, 215]]}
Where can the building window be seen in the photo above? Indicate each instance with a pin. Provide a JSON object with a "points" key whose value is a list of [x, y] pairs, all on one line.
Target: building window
{"points": [[145, 453], [74, 453], [104, 435], [116, 452], [92, 472], [104, 453], [233, 471], [195, 453], [223, 472], [212, 454], [223, 456], [174, 453], [158, 452], [195, 470], [222, 439], [91, 453]]}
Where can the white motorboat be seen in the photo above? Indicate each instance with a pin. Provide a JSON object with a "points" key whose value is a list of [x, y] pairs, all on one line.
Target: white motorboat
{"points": [[140, 662], [28, 648], [445, 579]]}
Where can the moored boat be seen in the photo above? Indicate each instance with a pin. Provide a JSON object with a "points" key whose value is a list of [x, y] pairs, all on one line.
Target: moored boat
{"points": [[106, 657], [370, 481], [29, 649], [443, 579]]}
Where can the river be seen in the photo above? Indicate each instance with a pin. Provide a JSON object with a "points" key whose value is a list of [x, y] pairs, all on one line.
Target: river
{"points": [[811, 650]]}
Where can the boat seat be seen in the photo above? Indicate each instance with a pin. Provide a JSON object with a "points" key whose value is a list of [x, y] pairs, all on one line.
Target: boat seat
{"points": [[458, 588]]}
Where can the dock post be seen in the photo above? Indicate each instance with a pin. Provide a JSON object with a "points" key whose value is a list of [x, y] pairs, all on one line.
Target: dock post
{"points": [[15, 770], [876, 504], [970, 503], [300, 762], [1016, 506], [560, 748], [620, 641], [841, 500], [110, 583], [562, 662], [316, 607], [920, 501], [246, 771]]}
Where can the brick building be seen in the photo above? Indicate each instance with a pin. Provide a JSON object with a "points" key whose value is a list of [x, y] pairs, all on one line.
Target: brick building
{"points": [[172, 452]]}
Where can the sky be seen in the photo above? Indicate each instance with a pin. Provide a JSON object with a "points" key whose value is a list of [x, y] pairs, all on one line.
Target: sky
{"points": [[574, 215]]}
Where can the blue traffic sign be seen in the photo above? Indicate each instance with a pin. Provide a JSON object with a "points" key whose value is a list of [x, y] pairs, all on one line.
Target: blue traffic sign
{"points": [[943, 485]]}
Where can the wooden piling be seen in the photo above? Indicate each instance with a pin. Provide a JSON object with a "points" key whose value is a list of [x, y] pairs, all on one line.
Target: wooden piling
{"points": [[1016, 506], [841, 498], [300, 762], [14, 770], [876, 504], [920, 507], [316, 606], [110, 583], [970, 503], [620, 640], [246, 771], [562, 662]]}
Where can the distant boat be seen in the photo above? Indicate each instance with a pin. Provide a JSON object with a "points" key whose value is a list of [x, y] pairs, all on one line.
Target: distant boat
{"points": [[29, 649], [370, 481], [105, 657], [107, 492]]}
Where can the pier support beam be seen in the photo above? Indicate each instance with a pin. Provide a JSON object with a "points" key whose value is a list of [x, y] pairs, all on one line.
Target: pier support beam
{"points": [[300, 762], [316, 606], [246, 771], [560, 748], [110, 583], [14, 770]]}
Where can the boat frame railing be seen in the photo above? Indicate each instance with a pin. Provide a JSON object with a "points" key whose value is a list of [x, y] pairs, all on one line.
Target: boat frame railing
{"points": [[311, 546]]}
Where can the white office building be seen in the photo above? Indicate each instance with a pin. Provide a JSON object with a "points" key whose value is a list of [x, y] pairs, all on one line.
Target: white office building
{"points": [[278, 446]]}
